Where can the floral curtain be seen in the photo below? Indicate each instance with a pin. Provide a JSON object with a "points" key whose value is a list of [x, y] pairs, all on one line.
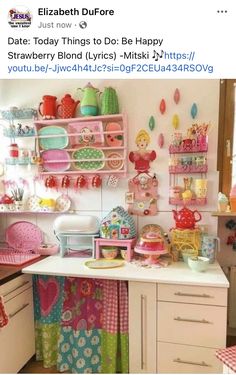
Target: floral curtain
{"points": [[82, 324]]}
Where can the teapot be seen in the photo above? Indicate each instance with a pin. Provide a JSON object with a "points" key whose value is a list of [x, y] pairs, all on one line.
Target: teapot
{"points": [[89, 103], [186, 219], [67, 107], [47, 108]]}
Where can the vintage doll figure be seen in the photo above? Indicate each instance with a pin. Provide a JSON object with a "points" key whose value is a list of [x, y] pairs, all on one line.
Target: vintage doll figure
{"points": [[142, 157]]}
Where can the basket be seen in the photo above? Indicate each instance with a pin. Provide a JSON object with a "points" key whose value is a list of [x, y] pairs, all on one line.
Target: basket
{"points": [[186, 240]]}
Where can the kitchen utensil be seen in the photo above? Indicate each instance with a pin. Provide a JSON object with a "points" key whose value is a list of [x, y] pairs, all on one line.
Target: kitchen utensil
{"points": [[113, 139], [53, 142], [186, 219], [13, 258], [24, 236], [67, 107], [89, 103], [103, 263], [88, 153], [114, 164], [198, 264], [48, 249], [86, 138], [47, 108], [109, 101], [63, 203], [55, 160]]}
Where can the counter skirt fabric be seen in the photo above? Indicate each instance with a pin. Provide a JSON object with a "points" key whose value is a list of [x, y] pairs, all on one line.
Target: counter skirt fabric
{"points": [[83, 324]]}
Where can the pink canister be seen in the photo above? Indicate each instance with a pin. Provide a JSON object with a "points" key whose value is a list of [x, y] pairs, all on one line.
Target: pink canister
{"points": [[13, 150]]}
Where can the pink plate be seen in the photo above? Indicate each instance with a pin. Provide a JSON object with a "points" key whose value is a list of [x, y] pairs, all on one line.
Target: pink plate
{"points": [[24, 236], [91, 133], [61, 158]]}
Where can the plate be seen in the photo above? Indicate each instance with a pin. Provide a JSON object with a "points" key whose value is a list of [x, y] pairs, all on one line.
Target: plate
{"points": [[87, 138], [24, 236], [63, 203], [114, 140], [33, 203], [54, 142], [62, 160], [114, 164], [102, 263], [88, 153]]}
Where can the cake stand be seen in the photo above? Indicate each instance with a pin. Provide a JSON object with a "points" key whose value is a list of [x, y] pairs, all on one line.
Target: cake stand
{"points": [[152, 256]]}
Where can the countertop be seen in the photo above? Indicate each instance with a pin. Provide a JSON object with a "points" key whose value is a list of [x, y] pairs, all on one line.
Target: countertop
{"points": [[178, 272]]}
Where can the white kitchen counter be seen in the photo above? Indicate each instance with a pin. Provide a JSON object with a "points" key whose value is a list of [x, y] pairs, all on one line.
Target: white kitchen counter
{"points": [[177, 273]]}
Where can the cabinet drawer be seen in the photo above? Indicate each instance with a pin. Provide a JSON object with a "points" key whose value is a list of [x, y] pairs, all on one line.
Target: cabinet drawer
{"points": [[182, 359], [191, 324], [17, 342], [192, 294], [12, 288]]}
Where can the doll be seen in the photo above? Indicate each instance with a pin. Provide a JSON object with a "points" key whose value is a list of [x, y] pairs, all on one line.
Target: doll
{"points": [[142, 157]]}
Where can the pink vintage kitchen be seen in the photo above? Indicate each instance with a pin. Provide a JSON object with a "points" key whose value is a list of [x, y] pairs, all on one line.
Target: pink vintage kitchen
{"points": [[117, 226]]}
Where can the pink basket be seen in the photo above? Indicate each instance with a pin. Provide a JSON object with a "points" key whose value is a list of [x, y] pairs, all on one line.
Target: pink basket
{"points": [[24, 236]]}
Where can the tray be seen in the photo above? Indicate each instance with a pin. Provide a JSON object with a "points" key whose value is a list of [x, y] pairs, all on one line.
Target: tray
{"points": [[53, 142], [114, 164], [116, 139], [101, 263], [88, 153], [12, 258], [62, 160], [87, 138], [24, 236]]}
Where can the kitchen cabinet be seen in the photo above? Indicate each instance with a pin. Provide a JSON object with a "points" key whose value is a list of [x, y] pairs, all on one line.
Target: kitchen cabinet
{"points": [[142, 327], [176, 328], [17, 342]]}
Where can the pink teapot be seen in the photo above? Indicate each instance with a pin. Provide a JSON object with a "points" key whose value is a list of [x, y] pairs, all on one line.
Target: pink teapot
{"points": [[186, 219], [67, 107]]}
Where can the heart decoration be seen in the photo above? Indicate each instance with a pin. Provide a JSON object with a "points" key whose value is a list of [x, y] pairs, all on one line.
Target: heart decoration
{"points": [[49, 293]]}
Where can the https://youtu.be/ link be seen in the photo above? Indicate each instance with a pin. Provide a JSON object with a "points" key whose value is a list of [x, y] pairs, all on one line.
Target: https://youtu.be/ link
{"points": [[111, 68]]}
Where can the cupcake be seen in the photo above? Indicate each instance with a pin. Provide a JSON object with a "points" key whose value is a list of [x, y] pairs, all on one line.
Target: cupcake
{"points": [[222, 202], [232, 198]]}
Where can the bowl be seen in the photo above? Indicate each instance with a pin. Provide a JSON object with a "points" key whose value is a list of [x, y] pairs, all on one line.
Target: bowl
{"points": [[109, 252], [198, 264]]}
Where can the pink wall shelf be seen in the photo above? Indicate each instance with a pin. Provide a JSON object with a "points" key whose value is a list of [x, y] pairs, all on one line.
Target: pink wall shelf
{"points": [[179, 169], [189, 202]]}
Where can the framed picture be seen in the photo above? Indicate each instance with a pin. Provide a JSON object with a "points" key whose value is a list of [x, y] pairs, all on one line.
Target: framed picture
{"points": [[129, 198]]}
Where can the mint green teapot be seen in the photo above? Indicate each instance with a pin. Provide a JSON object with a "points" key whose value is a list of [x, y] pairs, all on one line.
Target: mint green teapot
{"points": [[89, 102]]}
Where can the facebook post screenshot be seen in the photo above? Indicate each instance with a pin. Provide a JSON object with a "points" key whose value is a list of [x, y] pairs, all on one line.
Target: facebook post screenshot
{"points": [[118, 187]]}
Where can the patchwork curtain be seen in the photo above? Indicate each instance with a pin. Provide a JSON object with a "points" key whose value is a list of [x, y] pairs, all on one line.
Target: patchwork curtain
{"points": [[82, 324]]}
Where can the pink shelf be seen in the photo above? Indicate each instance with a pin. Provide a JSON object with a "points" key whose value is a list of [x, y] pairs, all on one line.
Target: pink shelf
{"points": [[185, 150], [177, 169], [190, 202]]}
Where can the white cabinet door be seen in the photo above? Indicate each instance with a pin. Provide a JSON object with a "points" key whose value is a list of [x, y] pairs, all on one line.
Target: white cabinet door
{"points": [[142, 327], [17, 341]]}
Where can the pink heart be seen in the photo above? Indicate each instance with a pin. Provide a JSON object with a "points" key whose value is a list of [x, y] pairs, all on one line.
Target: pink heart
{"points": [[48, 292]]}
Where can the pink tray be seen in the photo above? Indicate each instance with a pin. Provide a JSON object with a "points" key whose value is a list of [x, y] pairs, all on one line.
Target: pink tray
{"points": [[56, 160], [24, 236]]}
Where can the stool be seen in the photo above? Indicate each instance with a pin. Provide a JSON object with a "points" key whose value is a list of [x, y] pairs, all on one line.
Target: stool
{"points": [[129, 244]]}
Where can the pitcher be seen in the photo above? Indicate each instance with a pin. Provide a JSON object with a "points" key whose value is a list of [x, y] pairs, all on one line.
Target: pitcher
{"points": [[210, 244], [89, 103], [47, 108], [67, 107]]}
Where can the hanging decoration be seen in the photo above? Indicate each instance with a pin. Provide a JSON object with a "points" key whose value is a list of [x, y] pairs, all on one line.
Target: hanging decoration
{"points": [[176, 96], [142, 195], [194, 110], [162, 106], [112, 181], [160, 140], [151, 123], [142, 157], [175, 121]]}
